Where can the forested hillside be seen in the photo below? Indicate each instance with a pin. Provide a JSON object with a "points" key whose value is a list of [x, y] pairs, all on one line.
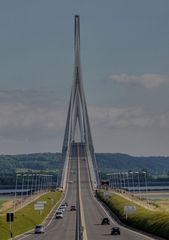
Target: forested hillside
{"points": [[35, 161], [106, 162], [118, 161]]}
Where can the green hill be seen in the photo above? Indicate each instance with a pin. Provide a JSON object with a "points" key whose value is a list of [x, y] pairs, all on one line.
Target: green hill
{"points": [[106, 161], [118, 161]]}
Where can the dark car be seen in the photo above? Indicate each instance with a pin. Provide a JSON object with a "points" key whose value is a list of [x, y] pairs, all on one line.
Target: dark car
{"points": [[105, 221], [73, 208], [115, 230]]}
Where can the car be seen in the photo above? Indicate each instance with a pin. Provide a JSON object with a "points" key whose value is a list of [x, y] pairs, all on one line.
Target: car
{"points": [[115, 230], [59, 214], [39, 228], [62, 209], [73, 208], [66, 203], [105, 221]]}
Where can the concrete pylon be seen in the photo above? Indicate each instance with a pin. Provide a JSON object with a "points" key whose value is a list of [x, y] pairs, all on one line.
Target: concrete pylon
{"points": [[77, 123]]}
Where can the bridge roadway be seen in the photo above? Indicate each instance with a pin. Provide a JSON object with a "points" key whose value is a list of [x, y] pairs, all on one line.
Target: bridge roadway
{"points": [[64, 229]]}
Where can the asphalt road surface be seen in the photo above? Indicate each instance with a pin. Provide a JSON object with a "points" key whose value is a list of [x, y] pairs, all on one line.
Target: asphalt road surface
{"points": [[64, 229], [94, 213]]}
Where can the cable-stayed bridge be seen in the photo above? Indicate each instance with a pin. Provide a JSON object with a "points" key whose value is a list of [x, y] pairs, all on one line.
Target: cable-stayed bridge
{"points": [[77, 124], [80, 177]]}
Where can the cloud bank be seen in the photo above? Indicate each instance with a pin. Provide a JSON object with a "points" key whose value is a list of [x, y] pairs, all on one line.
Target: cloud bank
{"points": [[149, 81], [32, 121], [129, 117], [30, 115]]}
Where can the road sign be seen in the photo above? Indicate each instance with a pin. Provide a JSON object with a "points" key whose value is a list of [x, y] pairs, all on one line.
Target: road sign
{"points": [[107, 195], [38, 206], [41, 202], [9, 217], [130, 209]]}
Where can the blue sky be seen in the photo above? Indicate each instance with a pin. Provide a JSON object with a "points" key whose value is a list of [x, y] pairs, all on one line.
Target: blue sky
{"points": [[125, 63]]}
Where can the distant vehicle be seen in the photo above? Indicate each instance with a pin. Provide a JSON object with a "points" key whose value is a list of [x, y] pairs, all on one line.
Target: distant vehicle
{"points": [[62, 209], [59, 214], [115, 230], [70, 181], [63, 205], [73, 208], [39, 228], [105, 221], [66, 203]]}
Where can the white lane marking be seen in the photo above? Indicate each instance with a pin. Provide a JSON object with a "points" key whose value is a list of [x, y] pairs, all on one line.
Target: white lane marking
{"points": [[92, 194], [63, 198], [85, 237], [108, 215], [25, 236]]}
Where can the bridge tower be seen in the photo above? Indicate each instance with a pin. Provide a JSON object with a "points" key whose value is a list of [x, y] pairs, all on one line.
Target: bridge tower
{"points": [[77, 123]]}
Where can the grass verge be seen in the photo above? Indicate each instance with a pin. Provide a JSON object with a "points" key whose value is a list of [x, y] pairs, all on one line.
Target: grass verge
{"points": [[26, 218], [153, 222], [2, 202]]}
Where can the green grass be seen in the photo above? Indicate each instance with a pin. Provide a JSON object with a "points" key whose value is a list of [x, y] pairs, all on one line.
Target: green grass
{"points": [[20, 170], [26, 218], [154, 222], [1, 202]]}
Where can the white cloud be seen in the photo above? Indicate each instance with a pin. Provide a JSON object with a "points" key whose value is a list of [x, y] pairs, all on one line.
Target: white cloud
{"points": [[35, 121], [146, 80], [30, 115], [128, 117]]}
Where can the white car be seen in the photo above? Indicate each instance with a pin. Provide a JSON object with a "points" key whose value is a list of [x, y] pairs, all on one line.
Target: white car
{"points": [[39, 228], [61, 209], [59, 214], [64, 206]]}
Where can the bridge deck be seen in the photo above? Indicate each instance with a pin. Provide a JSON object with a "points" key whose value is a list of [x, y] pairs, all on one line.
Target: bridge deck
{"points": [[64, 229]]}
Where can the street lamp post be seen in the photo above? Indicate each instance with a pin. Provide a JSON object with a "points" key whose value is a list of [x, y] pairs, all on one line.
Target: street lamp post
{"points": [[16, 186], [36, 181], [41, 185], [28, 185], [138, 183], [120, 182], [114, 180], [132, 177], [32, 184], [114, 183], [39, 179], [145, 178], [128, 182], [22, 189], [57, 182], [124, 181]]}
